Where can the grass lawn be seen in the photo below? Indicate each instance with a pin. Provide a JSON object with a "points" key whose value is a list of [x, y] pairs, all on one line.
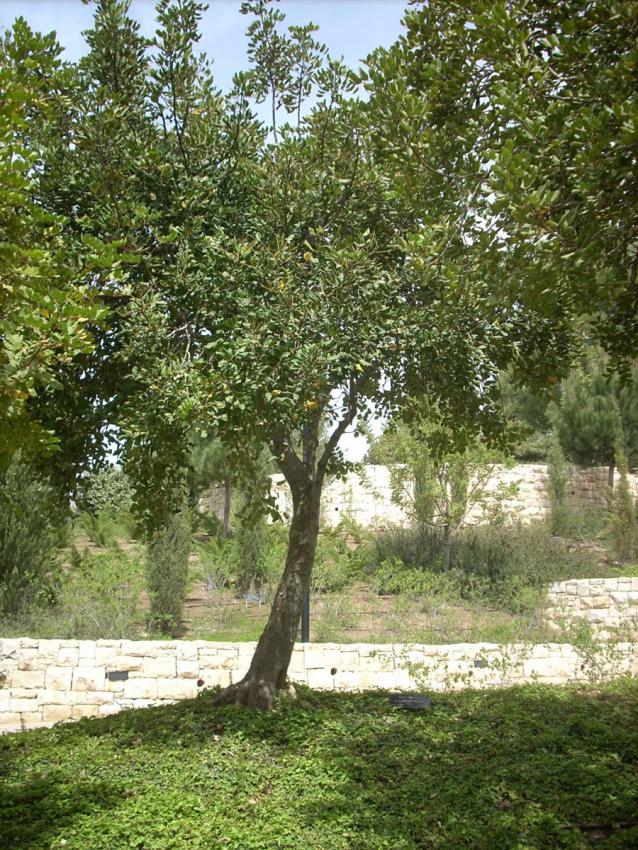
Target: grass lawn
{"points": [[527, 767]]}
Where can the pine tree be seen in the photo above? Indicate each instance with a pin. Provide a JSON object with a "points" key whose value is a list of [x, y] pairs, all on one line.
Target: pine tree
{"points": [[584, 416], [623, 514]]}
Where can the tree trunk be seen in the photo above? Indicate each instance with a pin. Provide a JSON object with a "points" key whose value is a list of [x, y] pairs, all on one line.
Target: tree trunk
{"points": [[269, 666], [228, 492]]}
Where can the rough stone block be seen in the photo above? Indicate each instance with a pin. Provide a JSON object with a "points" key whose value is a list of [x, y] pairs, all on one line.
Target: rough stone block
{"points": [[176, 688], [56, 713], [109, 708], [88, 679], [85, 711], [125, 663], [58, 678], [10, 721], [23, 705], [27, 679], [321, 679], [160, 667], [28, 659], [68, 656], [140, 689], [187, 668], [46, 697], [86, 651], [31, 720]]}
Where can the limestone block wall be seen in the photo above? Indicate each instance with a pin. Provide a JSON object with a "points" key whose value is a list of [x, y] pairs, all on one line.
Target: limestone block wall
{"points": [[43, 682], [608, 605], [366, 496]]}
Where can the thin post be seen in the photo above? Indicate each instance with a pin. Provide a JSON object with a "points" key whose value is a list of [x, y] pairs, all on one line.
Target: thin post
{"points": [[305, 611]]}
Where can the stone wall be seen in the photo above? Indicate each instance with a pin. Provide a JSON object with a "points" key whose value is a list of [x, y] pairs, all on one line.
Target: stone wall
{"points": [[46, 681], [608, 605], [366, 497]]}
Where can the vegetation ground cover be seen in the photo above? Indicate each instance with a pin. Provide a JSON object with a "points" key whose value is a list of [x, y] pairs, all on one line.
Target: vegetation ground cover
{"points": [[379, 588], [527, 767]]}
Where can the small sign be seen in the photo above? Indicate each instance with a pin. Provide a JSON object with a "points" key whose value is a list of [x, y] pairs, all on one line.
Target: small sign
{"points": [[117, 675], [410, 702]]}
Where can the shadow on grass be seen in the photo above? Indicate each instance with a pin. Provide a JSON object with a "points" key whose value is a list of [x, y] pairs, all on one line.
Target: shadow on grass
{"points": [[531, 767]]}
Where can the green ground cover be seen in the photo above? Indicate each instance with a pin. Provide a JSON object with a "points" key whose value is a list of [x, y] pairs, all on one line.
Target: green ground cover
{"points": [[528, 767]]}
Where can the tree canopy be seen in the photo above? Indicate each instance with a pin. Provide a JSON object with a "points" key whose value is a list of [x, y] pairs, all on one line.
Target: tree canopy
{"points": [[268, 282]]}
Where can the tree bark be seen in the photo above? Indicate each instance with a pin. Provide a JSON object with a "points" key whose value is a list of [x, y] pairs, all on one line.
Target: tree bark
{"points": [[269, 666]]}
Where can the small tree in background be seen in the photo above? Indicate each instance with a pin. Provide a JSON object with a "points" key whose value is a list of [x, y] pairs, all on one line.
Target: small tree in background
{"points": [[167, 572], [622, 524], [558, 487], [436, 482], [29, 531], [211, 466], [592, 401]]}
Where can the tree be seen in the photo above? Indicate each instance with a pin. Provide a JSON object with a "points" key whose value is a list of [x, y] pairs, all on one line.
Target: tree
{"points": [[593, 403], [538, 100], [273, 288], [436, 484], [47, 301], [209, 462]]}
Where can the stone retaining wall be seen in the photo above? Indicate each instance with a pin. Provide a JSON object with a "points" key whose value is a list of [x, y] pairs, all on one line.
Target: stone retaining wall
{"points": [[608, 605], [46, 681], [366, 496]]}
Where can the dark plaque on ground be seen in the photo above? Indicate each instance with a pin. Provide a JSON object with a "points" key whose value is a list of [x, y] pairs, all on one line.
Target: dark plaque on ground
{"points": [[410, 702]]}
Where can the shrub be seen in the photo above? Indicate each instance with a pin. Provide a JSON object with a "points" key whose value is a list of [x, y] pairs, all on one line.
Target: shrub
{"points": [[167, 572], [336, 566], [106, 528], [250, 549], [509, 566], [107, 490], [30, 525], [394, 577]]}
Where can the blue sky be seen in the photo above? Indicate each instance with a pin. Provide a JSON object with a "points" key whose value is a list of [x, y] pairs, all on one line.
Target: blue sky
{"points": [[350, 28]]}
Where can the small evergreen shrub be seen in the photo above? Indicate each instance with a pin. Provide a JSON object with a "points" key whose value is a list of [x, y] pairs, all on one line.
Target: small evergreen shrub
{"points": [[167, 572], [30, 523], [622, 522]]}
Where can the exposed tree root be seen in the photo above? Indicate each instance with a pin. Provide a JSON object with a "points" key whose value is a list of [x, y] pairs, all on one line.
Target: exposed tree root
{"points": [[250, 693]]}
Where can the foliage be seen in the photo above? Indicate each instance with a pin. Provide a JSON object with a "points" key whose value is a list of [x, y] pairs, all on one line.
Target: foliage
{"points": [[534, 104], [507, 566], [622, 524], [30, 527], [336, 565], [99, 597], [558, 489], [394, 577], [593, 404], [335, 770], [46, 289], [107, 528], [437, 483], [107, 490], [167, 572]]}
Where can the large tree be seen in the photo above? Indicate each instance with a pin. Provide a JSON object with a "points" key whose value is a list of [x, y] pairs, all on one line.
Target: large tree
{"points": [[283, 283], [540, 100], [46, 283]]}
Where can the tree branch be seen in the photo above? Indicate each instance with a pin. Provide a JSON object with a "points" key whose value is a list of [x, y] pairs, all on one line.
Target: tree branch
{"points": [[346, 421]]}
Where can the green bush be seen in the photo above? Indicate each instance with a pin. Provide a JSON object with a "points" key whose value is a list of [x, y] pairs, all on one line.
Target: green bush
{"points": [[336, 566], [394, 577], [107, 490], [167, 572], [106, 528], [30, 528], [99, 597], [508, 566]]}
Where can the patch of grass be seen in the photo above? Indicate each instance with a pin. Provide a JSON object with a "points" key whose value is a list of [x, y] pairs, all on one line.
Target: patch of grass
{"points": [[530, 767]]}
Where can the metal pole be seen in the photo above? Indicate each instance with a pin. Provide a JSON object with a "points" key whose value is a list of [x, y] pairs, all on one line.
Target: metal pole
{"points": [[305, 619], [305, 611]]}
